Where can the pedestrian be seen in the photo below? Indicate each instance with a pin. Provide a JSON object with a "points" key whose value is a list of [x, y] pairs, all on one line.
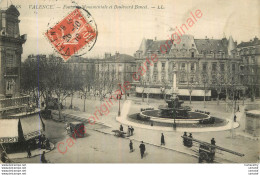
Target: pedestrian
{"points": [[190, 143], [43, 138], [213, 142], [131, 146], [185, 134], [121, 128], [3, 157], [142, 149], [184, 139], [29, 154], [132, 130], [235, 118], [190, 135], [162, 140], [128, 131], [48, 146], [43, 160], [238, 108]]}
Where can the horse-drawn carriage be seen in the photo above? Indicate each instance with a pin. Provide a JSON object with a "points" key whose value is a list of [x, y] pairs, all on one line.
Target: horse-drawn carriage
{"points": [[76, 129], [206, 150]]}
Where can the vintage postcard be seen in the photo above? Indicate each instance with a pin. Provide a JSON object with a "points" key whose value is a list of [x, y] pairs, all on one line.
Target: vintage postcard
{"points": [[108, 81]]}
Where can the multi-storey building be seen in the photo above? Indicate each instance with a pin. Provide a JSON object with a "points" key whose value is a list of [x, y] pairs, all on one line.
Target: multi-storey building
{"points": [[203, 67], [114, 70], [250, 55], [10, 52]]}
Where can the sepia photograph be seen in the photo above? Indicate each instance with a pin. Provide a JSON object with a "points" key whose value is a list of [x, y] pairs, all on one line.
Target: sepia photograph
{"points": [[108, 81]]}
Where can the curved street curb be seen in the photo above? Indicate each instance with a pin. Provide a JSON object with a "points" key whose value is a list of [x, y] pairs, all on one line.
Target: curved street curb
{"points": [[123, 119]]}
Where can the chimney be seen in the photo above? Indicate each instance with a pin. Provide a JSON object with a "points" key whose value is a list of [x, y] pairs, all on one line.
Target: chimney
{"points": [[255, 39], [117, 55], [107, 55]]}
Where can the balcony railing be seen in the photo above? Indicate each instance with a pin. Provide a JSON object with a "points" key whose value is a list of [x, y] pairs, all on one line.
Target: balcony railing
{"points": [[12, 103]]}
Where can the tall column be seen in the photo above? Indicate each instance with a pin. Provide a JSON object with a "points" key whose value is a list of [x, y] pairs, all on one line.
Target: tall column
{"points": [[174, 85]]}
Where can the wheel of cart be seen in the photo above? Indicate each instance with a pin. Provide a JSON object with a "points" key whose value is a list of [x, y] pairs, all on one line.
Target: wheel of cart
{"points": [[203, 156], [119, 133]]}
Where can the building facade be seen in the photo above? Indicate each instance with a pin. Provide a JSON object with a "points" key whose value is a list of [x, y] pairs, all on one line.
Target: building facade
{"points": [[250, 55], [114, 70], [203, 66], [10, 52]]}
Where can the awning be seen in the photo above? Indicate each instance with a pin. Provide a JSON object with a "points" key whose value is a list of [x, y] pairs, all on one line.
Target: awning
{"points": [[182, 92], [8, 130], [32, 126], [11, 130]]}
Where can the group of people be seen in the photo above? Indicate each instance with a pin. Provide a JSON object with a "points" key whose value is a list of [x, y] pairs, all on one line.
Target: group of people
{"points": [[130, 130], [141, 147], [43, 142], [187, 142]]}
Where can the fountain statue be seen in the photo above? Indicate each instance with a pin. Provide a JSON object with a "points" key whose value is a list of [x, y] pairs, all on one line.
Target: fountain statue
{"points": [[174, 108]]}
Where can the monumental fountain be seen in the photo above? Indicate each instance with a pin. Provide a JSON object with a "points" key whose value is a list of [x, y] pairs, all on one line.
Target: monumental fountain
{"points": [[174, 113]]}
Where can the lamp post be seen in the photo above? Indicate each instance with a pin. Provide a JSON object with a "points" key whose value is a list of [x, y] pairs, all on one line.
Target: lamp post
{"points": [[190, 90], [119, 97], [147, 93], [85, 96]]}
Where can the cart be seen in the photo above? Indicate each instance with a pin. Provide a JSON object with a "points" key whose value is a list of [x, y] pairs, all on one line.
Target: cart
{"points": [[76, 129], [207, 150], [119, 133]]}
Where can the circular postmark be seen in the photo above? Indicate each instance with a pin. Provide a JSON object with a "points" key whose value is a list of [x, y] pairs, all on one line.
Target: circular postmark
{"points": [[74, 33]]}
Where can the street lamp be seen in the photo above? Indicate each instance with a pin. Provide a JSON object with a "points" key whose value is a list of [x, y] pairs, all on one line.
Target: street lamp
{"points": [[85, 96], [190, 90], [174, 114], [119, 97], [204, 81], [147, 93]]}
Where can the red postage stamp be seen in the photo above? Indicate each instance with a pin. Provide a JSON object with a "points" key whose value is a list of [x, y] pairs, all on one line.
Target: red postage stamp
{"points": [[71, 34]]}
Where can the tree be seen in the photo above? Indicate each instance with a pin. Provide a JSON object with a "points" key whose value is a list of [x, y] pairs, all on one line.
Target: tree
{"points": [[29, 79], [218, 82], [164, 87], [205, 82], [48, 77], [191, 83]]}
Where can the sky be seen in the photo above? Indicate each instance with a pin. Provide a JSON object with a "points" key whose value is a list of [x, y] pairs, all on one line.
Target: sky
{"points": [[122, 30]]}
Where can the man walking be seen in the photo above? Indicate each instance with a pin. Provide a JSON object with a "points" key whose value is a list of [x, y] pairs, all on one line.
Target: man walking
{"points": [[132, 130], [131, 146], [213, 142], [29, 154], [121, 128], [162, 140], [142, 149], [128, 131], [43, 160], [235, 118]]}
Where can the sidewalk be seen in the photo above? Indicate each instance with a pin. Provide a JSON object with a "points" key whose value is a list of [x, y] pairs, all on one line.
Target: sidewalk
{"points": [[35, 153], [70, 115]]}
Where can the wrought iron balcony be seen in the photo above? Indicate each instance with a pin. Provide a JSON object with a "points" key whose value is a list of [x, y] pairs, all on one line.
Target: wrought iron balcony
{"points": [[13, 103]]}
